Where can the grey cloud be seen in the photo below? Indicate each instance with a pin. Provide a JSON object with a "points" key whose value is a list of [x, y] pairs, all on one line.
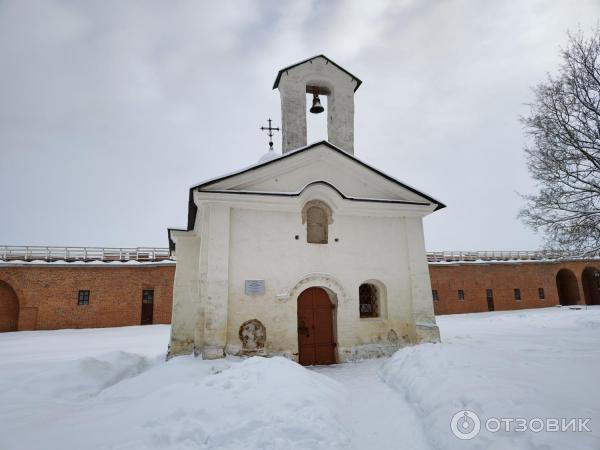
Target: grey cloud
{"points": [[109, 111]]}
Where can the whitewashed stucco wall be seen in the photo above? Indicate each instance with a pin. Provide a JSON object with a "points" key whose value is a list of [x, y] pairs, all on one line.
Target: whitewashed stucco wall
{"points": [[254, 238]]}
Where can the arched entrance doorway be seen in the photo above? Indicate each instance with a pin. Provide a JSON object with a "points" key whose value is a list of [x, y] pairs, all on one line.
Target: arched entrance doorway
{"points": [[315, 328], [590, 279], [568, 290], [9, 308]]}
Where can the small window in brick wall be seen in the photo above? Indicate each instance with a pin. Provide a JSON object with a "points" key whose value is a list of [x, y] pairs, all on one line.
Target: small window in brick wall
{"points": [[461, 294], [541, 293], [489, 299], [434, 294], [83, 298], [147, 297], [517, 294]]}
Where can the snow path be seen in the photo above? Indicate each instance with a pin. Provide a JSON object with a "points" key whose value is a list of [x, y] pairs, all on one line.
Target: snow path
{"points": [[380, 417]]}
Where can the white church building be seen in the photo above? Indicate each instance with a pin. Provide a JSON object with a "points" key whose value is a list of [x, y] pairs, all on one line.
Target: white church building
{"points": [[311, 254]]}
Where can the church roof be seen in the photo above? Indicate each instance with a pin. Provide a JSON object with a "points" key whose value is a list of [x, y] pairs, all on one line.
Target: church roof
{"points": [[192, 209], [276, 84]]}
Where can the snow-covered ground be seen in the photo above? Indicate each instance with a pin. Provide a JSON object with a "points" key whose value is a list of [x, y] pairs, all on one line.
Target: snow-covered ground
{"points": [[112, 389]]}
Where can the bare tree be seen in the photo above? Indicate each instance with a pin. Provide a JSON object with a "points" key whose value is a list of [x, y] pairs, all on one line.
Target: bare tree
{"points": [[564, 155]]}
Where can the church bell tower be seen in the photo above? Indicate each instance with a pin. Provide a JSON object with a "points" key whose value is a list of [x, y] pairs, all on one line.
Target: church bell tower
{"points": [[317, 76]]}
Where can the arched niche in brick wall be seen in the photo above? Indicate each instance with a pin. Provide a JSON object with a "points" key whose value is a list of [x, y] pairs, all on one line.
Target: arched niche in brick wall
{"points": [[567, 287], [9, 308], [590, 280]]}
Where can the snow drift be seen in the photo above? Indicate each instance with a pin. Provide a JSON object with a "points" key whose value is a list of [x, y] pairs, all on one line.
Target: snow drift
{"points": [[517, 364], [120, 400], [112, 389]]}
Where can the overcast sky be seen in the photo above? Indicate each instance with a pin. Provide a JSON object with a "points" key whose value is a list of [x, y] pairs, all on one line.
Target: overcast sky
{"points": [[111, 110]]}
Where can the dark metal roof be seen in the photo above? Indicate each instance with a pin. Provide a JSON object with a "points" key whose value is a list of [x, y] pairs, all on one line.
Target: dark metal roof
{"points": [[192, 208], [285, 69], [171, 241]]}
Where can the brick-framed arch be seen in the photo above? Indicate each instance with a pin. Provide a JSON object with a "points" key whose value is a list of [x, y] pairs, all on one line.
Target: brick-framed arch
{"points": [[27, 318], [567, 285], [590, 282], [9, 307]]}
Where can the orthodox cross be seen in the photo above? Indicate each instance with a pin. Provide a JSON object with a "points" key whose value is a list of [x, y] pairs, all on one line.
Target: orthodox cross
{"points": [[270, 130]]}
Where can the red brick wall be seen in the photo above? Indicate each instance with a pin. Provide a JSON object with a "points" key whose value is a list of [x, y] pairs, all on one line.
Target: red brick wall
{"points": [[503, 278], [48, 294]]}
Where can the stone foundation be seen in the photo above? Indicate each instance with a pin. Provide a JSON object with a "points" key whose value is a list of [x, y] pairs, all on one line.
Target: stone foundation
{"points": [[427, 333]]}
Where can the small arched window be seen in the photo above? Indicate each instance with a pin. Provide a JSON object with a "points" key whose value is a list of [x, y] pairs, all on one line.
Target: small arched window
{"points": [[317, 217], [368, 295]]}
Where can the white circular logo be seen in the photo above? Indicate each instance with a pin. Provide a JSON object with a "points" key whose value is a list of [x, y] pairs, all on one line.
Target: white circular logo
{"points": [[465, 424]]}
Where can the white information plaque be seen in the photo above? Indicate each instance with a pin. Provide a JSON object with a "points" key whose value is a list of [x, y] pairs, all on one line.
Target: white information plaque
{"points": [[255, 287]]}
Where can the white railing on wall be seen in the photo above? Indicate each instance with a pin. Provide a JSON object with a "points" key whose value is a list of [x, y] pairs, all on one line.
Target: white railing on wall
{"points": [[519, 255], [124, 254], [49, 254]]}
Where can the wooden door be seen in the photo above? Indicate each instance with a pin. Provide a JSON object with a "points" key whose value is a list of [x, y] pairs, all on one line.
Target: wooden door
{"points": [[315, 328], [147, 307]]}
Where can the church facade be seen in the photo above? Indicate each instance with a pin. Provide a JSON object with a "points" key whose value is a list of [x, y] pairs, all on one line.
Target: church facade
{"points": [[311, 254]]}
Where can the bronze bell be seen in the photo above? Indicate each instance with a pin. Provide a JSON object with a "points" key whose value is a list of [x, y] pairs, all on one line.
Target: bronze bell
{"points": [[316, 106]]}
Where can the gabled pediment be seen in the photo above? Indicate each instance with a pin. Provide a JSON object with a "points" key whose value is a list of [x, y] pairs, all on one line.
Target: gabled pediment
{"points": [[320, 162]]}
